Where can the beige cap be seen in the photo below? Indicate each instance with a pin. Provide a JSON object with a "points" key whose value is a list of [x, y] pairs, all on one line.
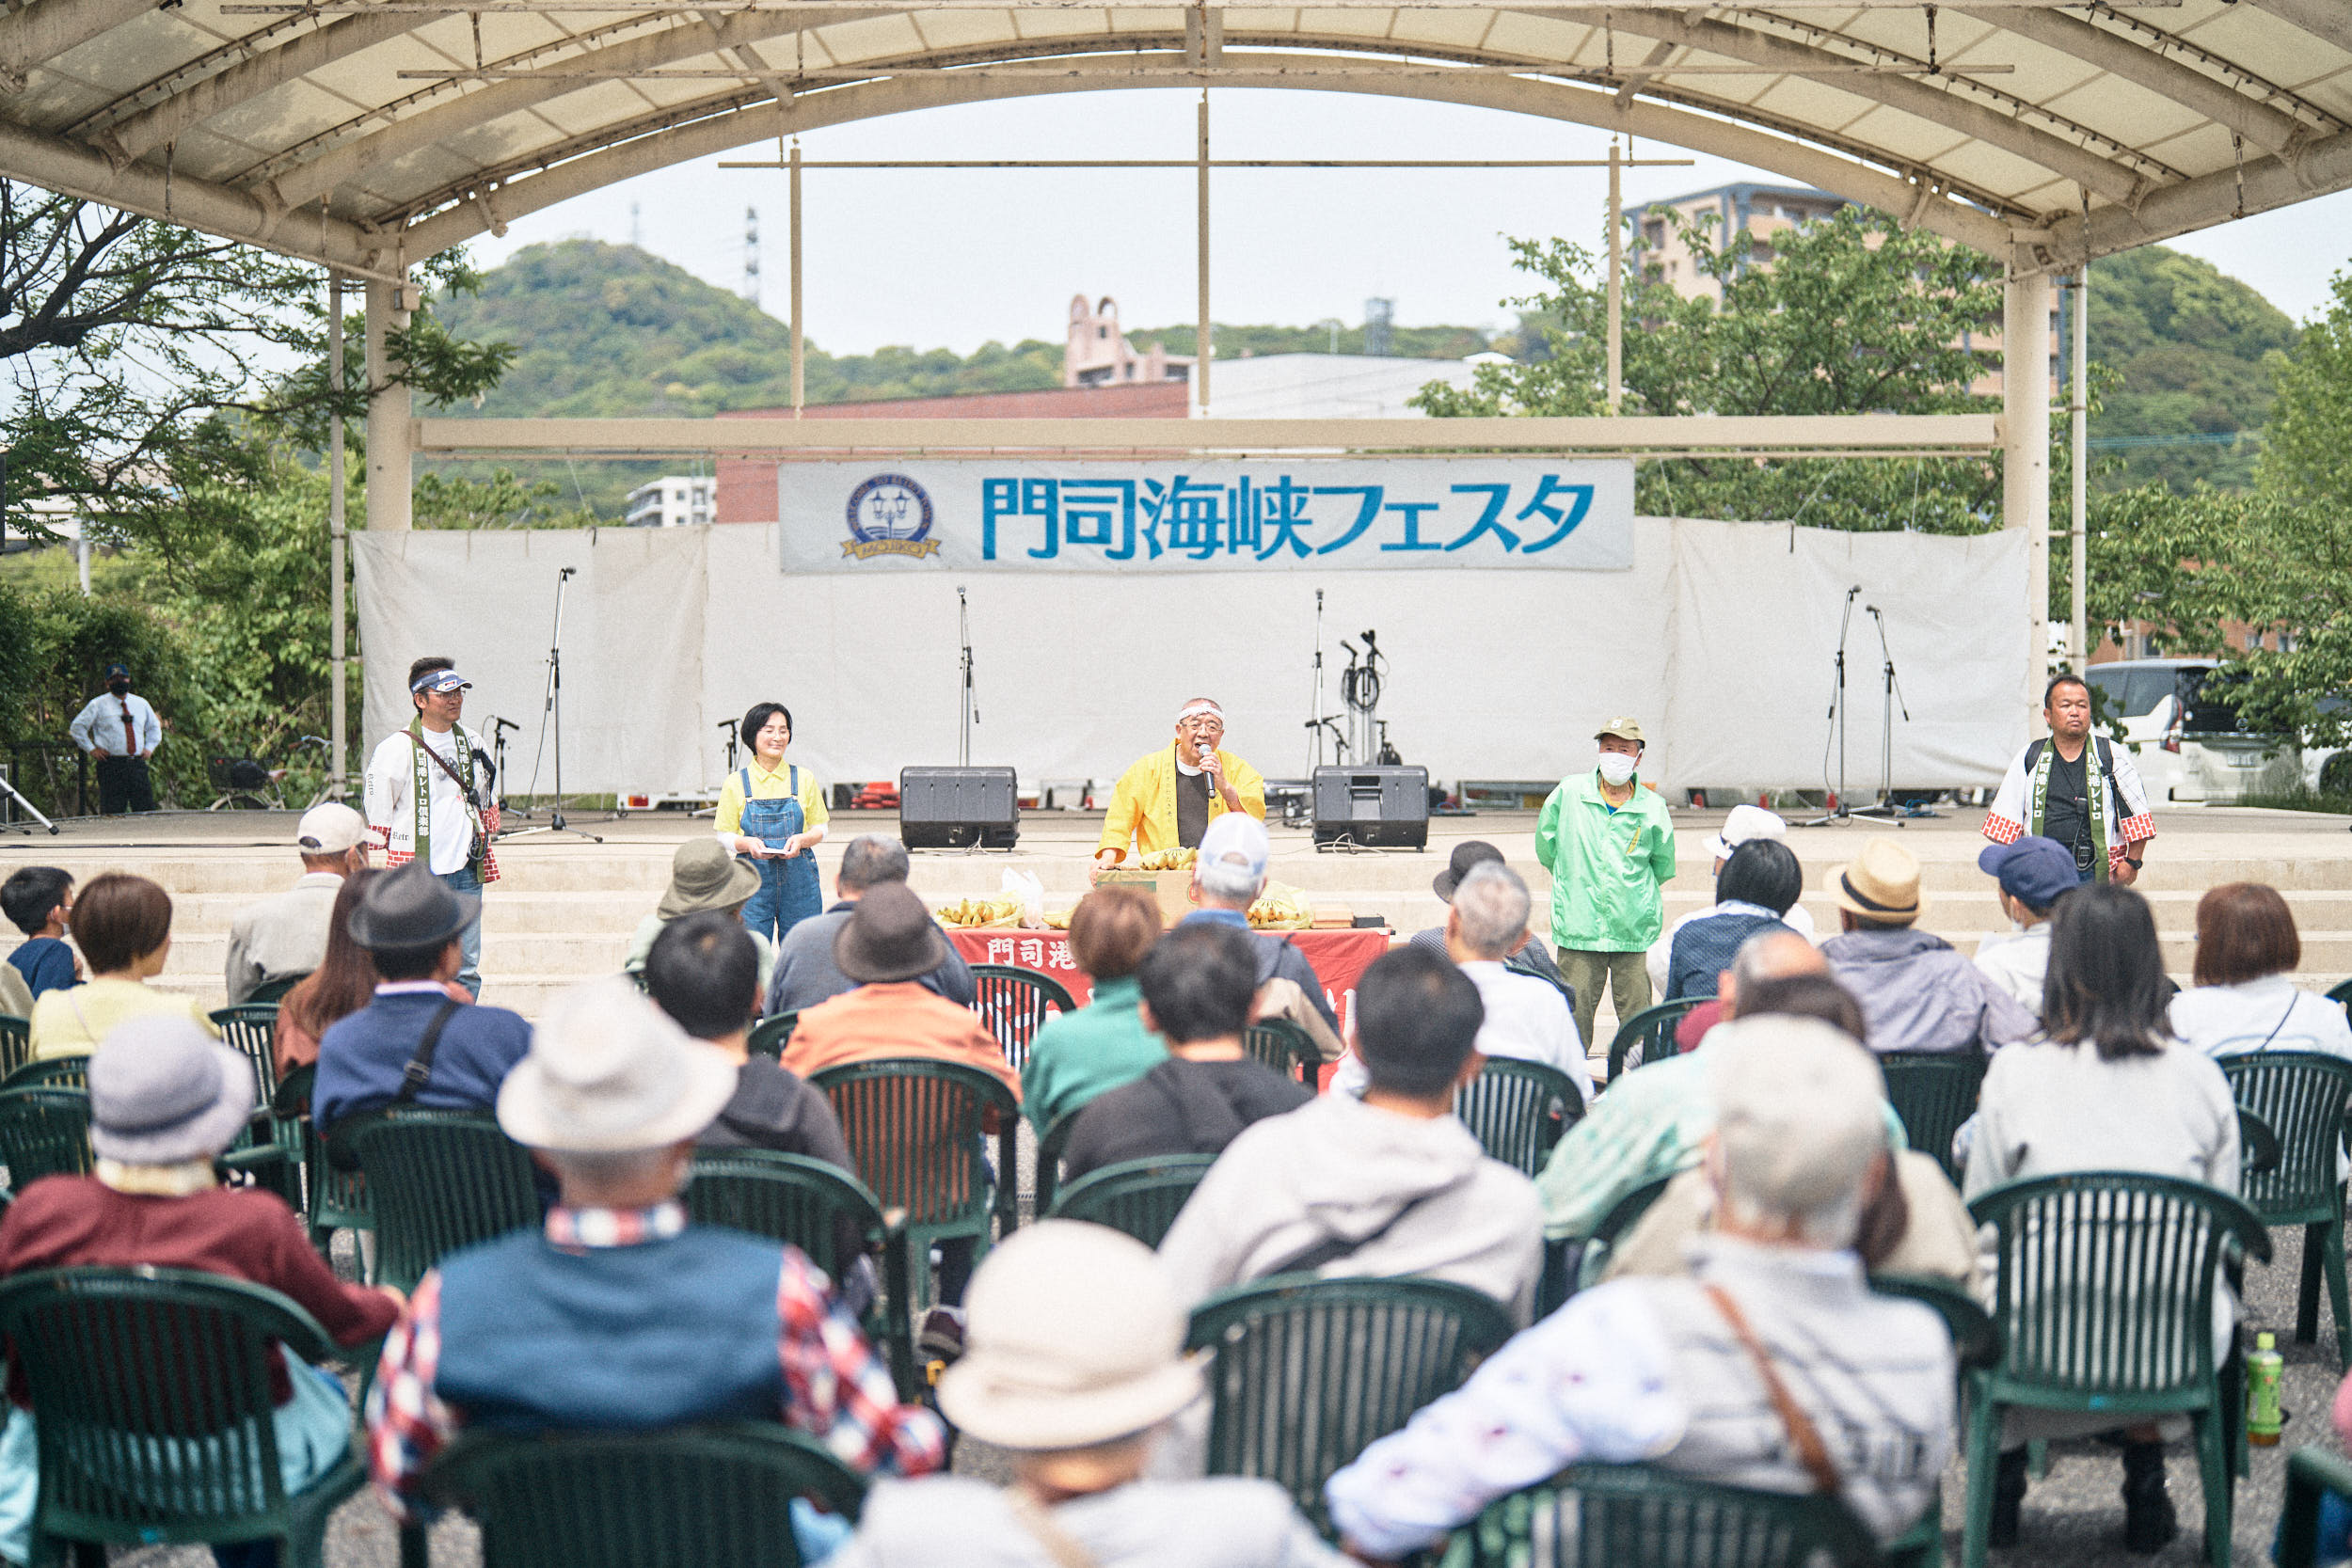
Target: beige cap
{"points": [[609, 1072], [329, 828], [1881, 885], [1623, 728], [1799, 1110], [1074, 1338]]}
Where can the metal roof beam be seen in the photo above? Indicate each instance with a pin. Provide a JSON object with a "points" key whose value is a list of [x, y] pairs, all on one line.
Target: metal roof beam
{"points": [[47, 28], [2329, 21], [149, 129], [2191, 89], [72, 169], [1790, 159], [2320, 167]]}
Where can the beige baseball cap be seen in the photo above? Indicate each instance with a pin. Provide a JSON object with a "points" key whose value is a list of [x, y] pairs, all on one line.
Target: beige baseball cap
{"points": [[1626, 728], [329, 828]]}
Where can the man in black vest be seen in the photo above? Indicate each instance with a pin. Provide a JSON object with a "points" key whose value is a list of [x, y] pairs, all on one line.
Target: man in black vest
{"points": [[2082, 792]]}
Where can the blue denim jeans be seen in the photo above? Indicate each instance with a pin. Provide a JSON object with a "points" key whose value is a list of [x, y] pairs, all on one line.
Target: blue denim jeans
{"points": [[468, 941]]}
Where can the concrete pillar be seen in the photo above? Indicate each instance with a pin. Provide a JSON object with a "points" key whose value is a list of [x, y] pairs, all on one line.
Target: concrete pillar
{"points": [[387, 411], [2025, 455]]}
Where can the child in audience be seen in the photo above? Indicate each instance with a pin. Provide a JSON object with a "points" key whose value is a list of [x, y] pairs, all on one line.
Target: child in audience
{"points": [[38, 901]]}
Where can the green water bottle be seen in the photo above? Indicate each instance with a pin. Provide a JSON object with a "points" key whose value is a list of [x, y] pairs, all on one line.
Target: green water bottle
{"points": [[2263, 1418]]}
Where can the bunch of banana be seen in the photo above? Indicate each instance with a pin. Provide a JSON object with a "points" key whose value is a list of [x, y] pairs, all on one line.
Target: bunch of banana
{"points": [[1167, 859], [981, 911]]}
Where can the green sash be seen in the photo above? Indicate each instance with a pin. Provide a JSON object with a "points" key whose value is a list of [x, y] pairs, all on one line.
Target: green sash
{"points": [[420, 793], [2094, 786]]}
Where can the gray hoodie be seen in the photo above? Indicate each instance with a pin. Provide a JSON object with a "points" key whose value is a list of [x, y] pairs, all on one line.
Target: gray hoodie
{"points": [[1412, 1196], [1919, 993]]}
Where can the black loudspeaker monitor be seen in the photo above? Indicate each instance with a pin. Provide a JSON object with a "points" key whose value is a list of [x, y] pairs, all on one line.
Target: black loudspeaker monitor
{"points": [[1381, 808], [959, 808]]}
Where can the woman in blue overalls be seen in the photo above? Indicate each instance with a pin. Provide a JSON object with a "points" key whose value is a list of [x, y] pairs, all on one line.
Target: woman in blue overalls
{"points": [[774, 812]]}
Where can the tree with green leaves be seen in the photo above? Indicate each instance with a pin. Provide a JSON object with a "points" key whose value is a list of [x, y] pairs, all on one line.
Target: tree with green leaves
{"points": [[1847, 314]]}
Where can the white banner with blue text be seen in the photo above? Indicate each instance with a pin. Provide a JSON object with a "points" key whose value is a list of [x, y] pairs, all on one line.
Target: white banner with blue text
{"points": [[1248, 516]]}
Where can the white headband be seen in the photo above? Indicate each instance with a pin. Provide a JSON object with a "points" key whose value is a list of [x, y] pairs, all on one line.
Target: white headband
{"points": [[1204, 706]]}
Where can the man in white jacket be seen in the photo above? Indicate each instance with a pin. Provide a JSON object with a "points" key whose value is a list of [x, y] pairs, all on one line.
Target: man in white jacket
{"points": [[428, 797]]}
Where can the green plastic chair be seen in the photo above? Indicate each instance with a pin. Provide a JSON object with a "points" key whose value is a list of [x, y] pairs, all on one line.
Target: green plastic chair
{"points": [[332, 1200], [131, 1458], [2311, 1474], [51, 1072], [1308, 1371], [2341, 994], [1653, 1030], [713, 1497], [916, 1128], [273, 992], [2104, 1294], [771, 1034], [1976, 1347], [825, 1213], [1935, 1092], [1608, 1515], [44, 1132], [1015, 1003], [1049, 1152], [16, 1042], [251, 1027], [1139, 1196], [1285, 1046], [2304, 1095], [1517, 1110], [437, 1182], [1622, 1216]]}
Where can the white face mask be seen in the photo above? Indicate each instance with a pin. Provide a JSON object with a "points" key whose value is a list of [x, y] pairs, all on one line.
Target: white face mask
{"points": [[1616, 769]]}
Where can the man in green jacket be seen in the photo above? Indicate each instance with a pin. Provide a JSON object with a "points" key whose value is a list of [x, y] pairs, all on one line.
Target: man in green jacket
{"points": [[1609, 847]]}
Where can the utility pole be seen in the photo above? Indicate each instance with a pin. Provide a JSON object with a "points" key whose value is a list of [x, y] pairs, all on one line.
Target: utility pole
{"points": [[2078, 525], [1616, 285], [337, 525]]}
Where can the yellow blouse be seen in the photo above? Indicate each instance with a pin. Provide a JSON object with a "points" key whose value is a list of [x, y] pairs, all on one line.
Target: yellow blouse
{"points": [[766, 787]]}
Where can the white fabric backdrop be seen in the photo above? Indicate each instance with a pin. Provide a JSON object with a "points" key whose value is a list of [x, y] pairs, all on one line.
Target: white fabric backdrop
{"points": [[1720, 639]]}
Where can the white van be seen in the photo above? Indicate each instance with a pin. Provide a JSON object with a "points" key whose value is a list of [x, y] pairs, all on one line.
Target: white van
{"points": [[2185, 732]]}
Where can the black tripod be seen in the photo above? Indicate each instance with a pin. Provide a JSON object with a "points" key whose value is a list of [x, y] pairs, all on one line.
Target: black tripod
{"points": [[552, 715]]}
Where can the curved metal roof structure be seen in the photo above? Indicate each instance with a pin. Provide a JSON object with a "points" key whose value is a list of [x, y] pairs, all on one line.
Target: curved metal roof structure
{"points": [[368, 133]]}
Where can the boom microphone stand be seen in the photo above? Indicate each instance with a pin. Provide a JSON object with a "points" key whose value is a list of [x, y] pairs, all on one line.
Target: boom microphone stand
{"points": [[1837, 812], [497, 763], [971, 709], [1886, 806], [552, 713]]}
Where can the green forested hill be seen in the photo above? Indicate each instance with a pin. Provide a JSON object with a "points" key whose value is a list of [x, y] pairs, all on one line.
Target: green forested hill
{"points": [[2188, 343]]}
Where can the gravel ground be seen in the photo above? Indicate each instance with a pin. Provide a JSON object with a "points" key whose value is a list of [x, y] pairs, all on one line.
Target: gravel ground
{"points": [[2073, 1516]]}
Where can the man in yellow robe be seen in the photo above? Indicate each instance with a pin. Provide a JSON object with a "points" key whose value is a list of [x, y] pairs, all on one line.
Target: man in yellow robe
{"points": [[1168, 798]]}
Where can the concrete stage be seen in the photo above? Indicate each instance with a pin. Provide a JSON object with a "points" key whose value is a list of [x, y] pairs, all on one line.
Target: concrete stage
{"points": [[566, 908]]}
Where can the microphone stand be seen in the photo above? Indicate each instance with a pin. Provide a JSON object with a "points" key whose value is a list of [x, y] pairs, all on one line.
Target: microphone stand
{"points": [[1887, 806], [726, 727], [971, 711], [1837, 812], [553, 710], [498, 761], [1318, 724]]}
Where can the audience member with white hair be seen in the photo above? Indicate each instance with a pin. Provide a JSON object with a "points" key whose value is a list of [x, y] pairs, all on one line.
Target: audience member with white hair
{"points": [[1075, 1365], [1772, 1365], [1527, 1019], [1745, 824], [617, 1314]]}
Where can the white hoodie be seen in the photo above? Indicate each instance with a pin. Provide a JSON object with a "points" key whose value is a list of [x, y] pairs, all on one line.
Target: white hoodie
{"points": [[1337, 1170]]}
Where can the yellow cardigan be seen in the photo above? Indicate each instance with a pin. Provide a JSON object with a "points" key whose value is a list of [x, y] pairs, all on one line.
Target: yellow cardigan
{"points": [[1143, 803]]}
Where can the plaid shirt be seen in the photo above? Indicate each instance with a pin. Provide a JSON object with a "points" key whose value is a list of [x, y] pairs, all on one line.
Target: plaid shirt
{"points": [[835, 1388]]}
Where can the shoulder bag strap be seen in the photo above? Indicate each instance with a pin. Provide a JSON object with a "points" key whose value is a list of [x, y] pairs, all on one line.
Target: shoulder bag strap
{"points": [[1811, 1451], [442, 763], [1046, 1531], [420, 1069]]}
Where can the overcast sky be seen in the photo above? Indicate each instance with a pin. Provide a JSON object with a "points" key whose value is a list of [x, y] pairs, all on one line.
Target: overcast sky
{"points": [[952, 259]]}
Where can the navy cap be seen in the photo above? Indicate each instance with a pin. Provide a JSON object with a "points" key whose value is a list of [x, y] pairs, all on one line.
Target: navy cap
{"points": [[113, 670], [2033, 871]]}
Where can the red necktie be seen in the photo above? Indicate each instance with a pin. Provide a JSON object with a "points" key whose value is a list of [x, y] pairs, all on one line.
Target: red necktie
{"points": [[130, 734]]}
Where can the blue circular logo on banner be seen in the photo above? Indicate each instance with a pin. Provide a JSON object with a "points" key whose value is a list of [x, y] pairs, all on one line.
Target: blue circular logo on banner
{"points": [[889, 515]]}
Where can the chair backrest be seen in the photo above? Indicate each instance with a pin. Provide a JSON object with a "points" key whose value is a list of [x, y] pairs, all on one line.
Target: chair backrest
{"points": [[61, 1072], [1603, 1515], [331, 1198], [1139, 1196], [1307, 1372], [2258, 1148], [2103, 1282], [2312, 1474], [2303, 1096], [437, 1182], [44, 1132], [1622, 1216], [16, 1042], [1976, 1337], [785, 1197], [2341, 994], [1283, 1046], [915, 1127], [1518, 1110], [1015, 1003], [1049, 1151], [274, 990], [770, 1035], [715, 1496], [1933, 1091], [251, 1027], [127, 1453], [1653, 1029]]}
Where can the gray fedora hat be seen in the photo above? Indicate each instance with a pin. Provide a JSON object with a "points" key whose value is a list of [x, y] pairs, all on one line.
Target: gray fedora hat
{"points": [[163, 1091], [1469, 853], [890, 936], [411, 908]]}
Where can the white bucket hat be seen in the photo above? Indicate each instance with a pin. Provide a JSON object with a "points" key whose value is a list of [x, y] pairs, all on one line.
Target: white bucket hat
{"points": [[163, 1091], [1074, 1338], [1744, 823], [609, 1072]]}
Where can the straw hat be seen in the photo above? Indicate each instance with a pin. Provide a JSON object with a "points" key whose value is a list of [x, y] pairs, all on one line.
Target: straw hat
{"points": [[702, 875], [1074, 1338], [1880, 886], [163, 1091], [609, 1073]]}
